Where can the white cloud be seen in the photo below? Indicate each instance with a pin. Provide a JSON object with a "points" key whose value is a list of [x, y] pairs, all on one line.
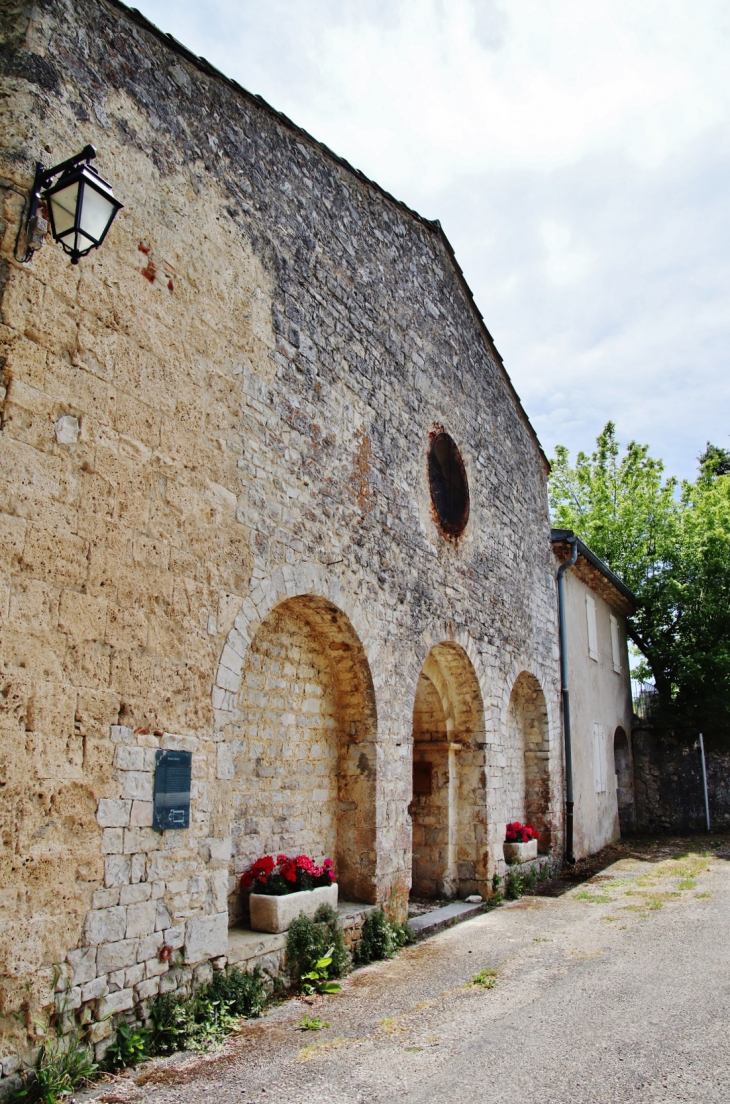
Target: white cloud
{"points": [[577, 155], [567, 261]]}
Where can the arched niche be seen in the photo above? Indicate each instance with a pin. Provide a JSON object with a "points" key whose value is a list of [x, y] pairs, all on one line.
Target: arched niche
{"points": [[624, 781], [528, 766], [448, 809], [303, 747]]}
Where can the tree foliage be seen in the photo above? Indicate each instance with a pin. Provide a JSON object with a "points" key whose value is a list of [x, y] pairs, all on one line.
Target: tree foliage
{"points": [[670, 543]]}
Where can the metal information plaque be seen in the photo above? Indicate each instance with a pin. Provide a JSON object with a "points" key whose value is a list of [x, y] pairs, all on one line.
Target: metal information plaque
{"points": [[172, 790]]}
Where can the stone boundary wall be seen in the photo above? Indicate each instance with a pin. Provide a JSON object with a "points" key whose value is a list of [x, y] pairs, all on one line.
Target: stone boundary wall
{"points": [[668, 784]]}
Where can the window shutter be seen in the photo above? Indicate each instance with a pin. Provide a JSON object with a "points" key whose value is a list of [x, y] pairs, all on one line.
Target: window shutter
{"points": [[592, 631], [599, 758], [615, 646]]}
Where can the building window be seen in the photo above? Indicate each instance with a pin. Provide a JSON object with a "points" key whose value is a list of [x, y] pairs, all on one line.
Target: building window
{"points": [[592, 631], [599, 758], [448, 485], [615, 645]]}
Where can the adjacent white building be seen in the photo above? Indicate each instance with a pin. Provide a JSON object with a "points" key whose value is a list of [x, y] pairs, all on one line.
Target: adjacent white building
{"points": [[596, 606]]}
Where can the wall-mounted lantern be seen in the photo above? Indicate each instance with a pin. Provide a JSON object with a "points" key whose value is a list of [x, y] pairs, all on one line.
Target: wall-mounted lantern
{"points": [[81, 206]]}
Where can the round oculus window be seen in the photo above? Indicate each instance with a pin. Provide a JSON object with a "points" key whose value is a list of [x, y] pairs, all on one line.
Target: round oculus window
{"points": [[449, 488]]}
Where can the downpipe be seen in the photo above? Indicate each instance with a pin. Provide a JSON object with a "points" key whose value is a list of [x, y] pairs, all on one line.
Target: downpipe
{"points": [[565, 697], [704, 782]]}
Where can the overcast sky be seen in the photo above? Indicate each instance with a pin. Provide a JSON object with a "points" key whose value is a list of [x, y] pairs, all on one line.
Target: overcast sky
{"points": [[577, 155]]}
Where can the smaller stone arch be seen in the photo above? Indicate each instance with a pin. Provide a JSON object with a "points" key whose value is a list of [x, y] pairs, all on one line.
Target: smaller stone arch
{"points": [[301, 747], [528, 754], [448, 809], [624, 781]]}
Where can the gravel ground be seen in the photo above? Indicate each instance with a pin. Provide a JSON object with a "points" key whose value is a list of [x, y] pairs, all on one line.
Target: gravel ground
{"points": [[617, 990]]}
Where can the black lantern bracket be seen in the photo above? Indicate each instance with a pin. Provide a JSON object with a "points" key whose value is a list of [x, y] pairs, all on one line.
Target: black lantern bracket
{"points": [[80, 206]]}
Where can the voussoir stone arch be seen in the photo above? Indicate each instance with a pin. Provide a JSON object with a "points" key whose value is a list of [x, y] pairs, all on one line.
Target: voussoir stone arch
{"points": [[445, 633], [283, 583]]}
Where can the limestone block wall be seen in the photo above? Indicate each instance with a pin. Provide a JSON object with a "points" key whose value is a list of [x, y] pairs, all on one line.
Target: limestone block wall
{"points": [[149, 877], [225, 410]]}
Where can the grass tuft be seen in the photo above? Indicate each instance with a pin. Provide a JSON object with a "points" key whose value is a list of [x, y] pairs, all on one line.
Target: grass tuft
{"points": [[485, 979]]}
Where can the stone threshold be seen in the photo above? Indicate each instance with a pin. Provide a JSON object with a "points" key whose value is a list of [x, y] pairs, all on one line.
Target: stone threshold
{"points": [[439, 919], [246, 947]]}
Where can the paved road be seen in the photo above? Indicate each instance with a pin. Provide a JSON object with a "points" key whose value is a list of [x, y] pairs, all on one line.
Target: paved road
{"points": [[615, 992]]}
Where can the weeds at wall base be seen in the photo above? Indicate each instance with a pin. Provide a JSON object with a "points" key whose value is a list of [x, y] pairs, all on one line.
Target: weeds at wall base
{"points": [[517, 881], [213, 1011], [174, 1023], [382, 938]]}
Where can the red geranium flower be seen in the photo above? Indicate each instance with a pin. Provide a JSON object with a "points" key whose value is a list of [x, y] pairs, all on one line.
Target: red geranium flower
{"points": [[287, 874], [520, 833]]}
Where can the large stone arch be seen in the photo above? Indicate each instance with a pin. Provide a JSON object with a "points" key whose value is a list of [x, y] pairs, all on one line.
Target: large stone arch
{"points": [[527, 779], [448, 809], [266, 593], [296, 724]]}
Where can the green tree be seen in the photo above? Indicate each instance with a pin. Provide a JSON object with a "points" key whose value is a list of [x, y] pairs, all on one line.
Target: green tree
{"points": [[701, 652], [671, 545]]}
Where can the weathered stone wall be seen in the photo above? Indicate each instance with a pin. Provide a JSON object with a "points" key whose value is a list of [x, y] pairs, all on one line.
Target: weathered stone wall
{"points": [[669, 795], [225, 408]]}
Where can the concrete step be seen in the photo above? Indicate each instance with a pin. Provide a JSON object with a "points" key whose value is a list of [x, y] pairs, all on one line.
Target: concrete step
{"points": [[445, 917]]}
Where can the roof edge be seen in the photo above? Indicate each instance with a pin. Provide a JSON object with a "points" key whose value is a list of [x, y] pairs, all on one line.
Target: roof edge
{"points": [[434, 226], [558, 535]]}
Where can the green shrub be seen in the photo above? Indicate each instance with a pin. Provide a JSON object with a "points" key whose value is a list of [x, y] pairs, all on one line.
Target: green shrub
{"points": [[381, 938], [211, 1013], [189, 1023], [520, 881], [246, 994], [515, 885], [317, 979], [308, 941], [169, 1016], [131, 1045], [60, 1069]]}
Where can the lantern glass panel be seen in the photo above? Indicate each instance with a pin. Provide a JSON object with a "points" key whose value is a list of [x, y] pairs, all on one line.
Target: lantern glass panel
{"points": [[63, 206], [97, 211]]}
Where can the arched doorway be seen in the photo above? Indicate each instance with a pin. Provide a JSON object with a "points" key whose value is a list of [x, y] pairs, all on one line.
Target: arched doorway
{"points": [[448, 809], [303, 747], [528, 752], [624, 781]]}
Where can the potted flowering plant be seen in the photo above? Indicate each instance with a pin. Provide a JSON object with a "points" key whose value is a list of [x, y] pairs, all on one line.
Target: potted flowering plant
{"points": [[283, 887], [520, 844]]}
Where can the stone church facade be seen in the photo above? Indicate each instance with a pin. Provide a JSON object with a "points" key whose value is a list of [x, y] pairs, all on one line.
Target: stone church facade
{"points": [[218, 533]]}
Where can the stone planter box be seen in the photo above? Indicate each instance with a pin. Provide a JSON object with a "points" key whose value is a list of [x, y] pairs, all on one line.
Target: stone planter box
{"points": [[275, 914], [520, 852]]}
